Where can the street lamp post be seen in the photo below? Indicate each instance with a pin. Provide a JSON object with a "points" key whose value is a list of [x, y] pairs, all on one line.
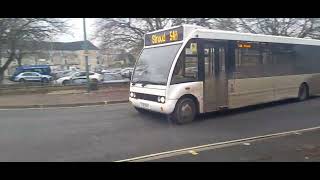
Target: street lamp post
{"points": [[86, 54]]}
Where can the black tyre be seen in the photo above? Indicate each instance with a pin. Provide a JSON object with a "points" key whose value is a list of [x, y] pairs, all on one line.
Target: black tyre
{"points": [[303, 92], [22, 80], [65, 82], [94, 80], [45, 80], [185, 111]]}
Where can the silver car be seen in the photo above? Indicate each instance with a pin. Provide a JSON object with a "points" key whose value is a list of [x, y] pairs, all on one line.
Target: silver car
{"points": [[32, 77], [109, 78]]}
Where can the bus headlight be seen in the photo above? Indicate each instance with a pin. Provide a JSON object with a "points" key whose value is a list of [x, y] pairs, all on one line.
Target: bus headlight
{"points": [[131, 94], [162, 99]]}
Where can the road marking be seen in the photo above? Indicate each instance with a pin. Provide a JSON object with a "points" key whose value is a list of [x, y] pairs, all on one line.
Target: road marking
{"points": [[193, 152], [42, 108], [177, 152]]}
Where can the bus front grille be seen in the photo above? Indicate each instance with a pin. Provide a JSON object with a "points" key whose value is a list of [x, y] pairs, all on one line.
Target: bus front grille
{"points": [[147, 97]]}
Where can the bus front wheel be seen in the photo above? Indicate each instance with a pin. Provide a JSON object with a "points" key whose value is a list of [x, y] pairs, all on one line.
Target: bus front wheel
{"points": [[185, 111], [303, 92]]}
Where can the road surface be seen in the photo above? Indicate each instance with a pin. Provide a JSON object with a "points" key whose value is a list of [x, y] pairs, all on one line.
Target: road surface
{"points": [[116, 132]]}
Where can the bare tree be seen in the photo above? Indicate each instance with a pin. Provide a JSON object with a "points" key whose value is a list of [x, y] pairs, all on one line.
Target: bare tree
{"points": [[127, 32], [15, 31], [293, 27], [212, 23]]}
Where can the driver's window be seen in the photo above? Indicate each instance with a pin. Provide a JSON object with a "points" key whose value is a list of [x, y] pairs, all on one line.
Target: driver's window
{"points": [[186, 69]]}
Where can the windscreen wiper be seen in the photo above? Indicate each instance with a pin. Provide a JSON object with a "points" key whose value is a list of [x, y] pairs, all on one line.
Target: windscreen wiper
{"points": [[144, 83]]}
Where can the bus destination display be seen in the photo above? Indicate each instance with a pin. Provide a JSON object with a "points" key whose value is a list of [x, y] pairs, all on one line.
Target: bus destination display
{"points": [[163, 37]]}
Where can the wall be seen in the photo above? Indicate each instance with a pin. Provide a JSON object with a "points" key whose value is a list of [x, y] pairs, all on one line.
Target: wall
{"points": [[92, 59]]}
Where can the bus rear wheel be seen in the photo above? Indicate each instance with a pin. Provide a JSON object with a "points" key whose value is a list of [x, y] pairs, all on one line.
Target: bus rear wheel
{"points": [[185, 111], [303, 92]]}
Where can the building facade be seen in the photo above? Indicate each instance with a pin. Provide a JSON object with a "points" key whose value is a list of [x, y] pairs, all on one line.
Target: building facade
{"points": [[59, 55]]}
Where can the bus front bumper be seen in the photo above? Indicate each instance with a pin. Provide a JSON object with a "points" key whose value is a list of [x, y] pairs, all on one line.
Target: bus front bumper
{"points": [[164, 108]]}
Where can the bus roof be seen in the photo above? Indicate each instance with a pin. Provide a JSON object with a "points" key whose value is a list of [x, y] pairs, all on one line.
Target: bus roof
{"points": [[194, 31], [231, 35]]}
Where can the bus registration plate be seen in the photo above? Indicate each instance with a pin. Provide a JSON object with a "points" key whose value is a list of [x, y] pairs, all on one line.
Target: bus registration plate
{"points": [[144, 105]]}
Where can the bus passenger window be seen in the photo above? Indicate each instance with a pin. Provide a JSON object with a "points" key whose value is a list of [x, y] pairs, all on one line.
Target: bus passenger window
{"points": [[186, 69]]}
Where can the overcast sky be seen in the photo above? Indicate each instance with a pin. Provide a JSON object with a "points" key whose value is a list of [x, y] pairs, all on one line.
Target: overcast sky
{"points": [[77, 30]]}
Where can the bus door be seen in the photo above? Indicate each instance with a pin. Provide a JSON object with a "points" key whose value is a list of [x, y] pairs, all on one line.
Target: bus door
{"points": [[215, 78]]}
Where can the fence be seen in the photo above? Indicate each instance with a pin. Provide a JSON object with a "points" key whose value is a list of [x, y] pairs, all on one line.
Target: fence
{"points": [[31, 88]]}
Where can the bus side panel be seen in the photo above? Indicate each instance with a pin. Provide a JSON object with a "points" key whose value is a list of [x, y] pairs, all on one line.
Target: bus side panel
{"points": [[176, 91], [313, 81], [250, 91], [288, 86]]}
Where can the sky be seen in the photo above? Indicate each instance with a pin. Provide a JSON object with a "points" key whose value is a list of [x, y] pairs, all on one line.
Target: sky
{"points": [[77, 30]]}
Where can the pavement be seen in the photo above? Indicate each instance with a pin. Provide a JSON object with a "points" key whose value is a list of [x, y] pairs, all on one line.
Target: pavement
{"points": [[116, 132], [7, 81], [66, 98]]}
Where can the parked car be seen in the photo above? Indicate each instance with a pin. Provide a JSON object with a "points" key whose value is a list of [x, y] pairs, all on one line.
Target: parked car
{"points": [[114, 78], [60, 74], [112, 70], [32, 77], [42, 69], [79, 78], [106, 71], [126, 72]]}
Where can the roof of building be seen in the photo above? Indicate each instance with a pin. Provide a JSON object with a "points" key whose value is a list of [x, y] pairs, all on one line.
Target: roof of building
{"points": [[55, 46], [68, 46]]}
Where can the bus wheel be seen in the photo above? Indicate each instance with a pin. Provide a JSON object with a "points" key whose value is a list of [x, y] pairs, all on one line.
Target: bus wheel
{"points": [[185, 111], [303, 92]]}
